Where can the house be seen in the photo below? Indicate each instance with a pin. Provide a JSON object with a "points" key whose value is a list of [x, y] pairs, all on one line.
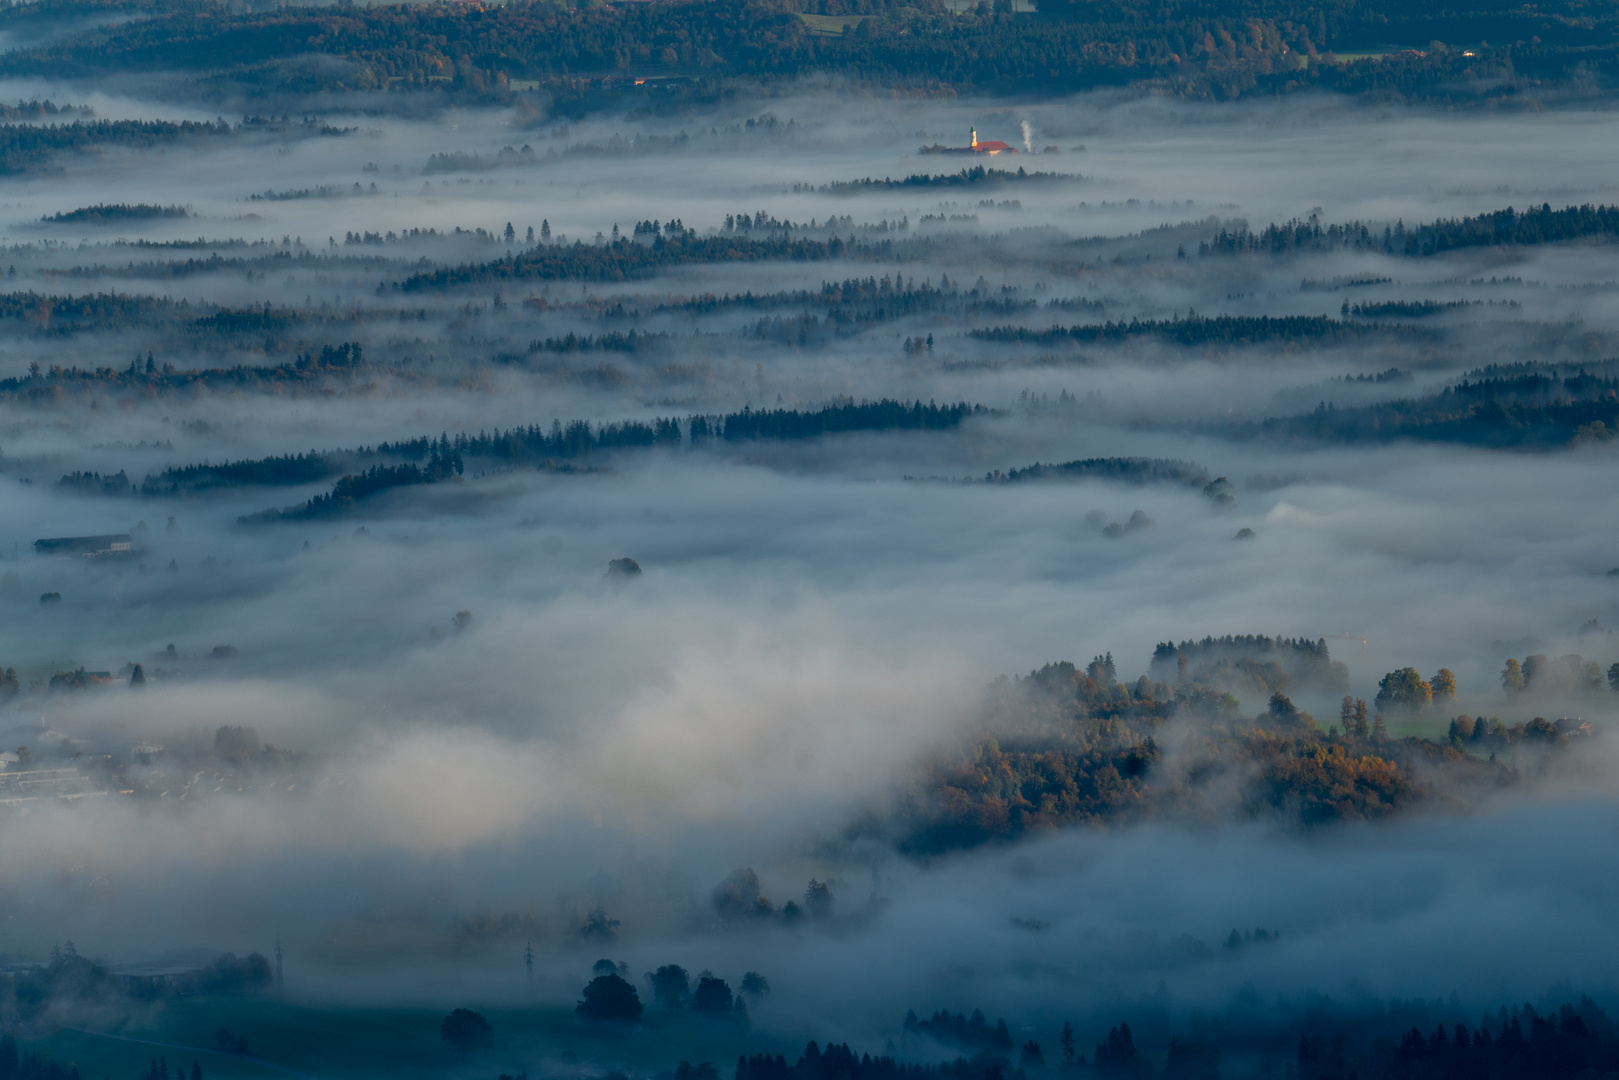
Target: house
{"points": [[88, 547]]}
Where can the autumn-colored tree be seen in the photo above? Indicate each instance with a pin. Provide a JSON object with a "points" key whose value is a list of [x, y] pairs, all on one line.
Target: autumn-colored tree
{"points": [[1512, 680], [1444, 685], [1404, 689]]}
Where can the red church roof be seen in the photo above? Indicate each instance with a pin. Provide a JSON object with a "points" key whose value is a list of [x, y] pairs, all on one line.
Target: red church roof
{"points": [[991, 147]]}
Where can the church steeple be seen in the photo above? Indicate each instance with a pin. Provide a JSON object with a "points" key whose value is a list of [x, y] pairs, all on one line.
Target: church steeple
{"points": [[975, 139]]}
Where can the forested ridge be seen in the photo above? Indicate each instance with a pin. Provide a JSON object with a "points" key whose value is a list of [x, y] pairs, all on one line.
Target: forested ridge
{"points": [[1530, 405], [1201, 48]]}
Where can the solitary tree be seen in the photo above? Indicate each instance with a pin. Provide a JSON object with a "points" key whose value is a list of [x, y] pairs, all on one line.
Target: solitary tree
{"points": [[1032, 1058], [1281, 707], [609, 999], [1444, 685], [1535, 670], [818, 899], [712, 997], [1512, 680], [671, 986], [1404, 689], [465, 1031], [599, 927]]}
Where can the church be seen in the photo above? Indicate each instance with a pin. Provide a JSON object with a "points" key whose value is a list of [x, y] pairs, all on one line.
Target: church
{"points": [[990, 147]]}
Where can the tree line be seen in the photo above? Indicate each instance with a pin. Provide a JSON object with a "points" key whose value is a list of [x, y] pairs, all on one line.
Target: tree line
{"points": [[839, 1062], [1192, 330], [1532, 405], [1288, 663], [104, 213], [973, 176], [536, 444], [1500, 228], [146, 373], [625, 258], [15, 1065], [1575, 1041], [611, 999], [66, 315], [71, 980], [1326, 1041], [845, 306], [27, 146], [351, 489], [1569, 676], [868, 299], [1130, 470]]}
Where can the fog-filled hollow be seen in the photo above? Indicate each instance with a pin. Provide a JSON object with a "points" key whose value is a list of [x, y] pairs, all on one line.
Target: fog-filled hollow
{"points": [[552, 694]]}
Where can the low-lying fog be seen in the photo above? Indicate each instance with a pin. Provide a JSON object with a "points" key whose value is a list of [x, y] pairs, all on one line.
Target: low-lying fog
{"points": [[813, 618]]}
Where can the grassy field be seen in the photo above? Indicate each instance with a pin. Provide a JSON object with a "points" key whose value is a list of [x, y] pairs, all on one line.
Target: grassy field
{"points": [[289, 1039], [832, 25]]}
